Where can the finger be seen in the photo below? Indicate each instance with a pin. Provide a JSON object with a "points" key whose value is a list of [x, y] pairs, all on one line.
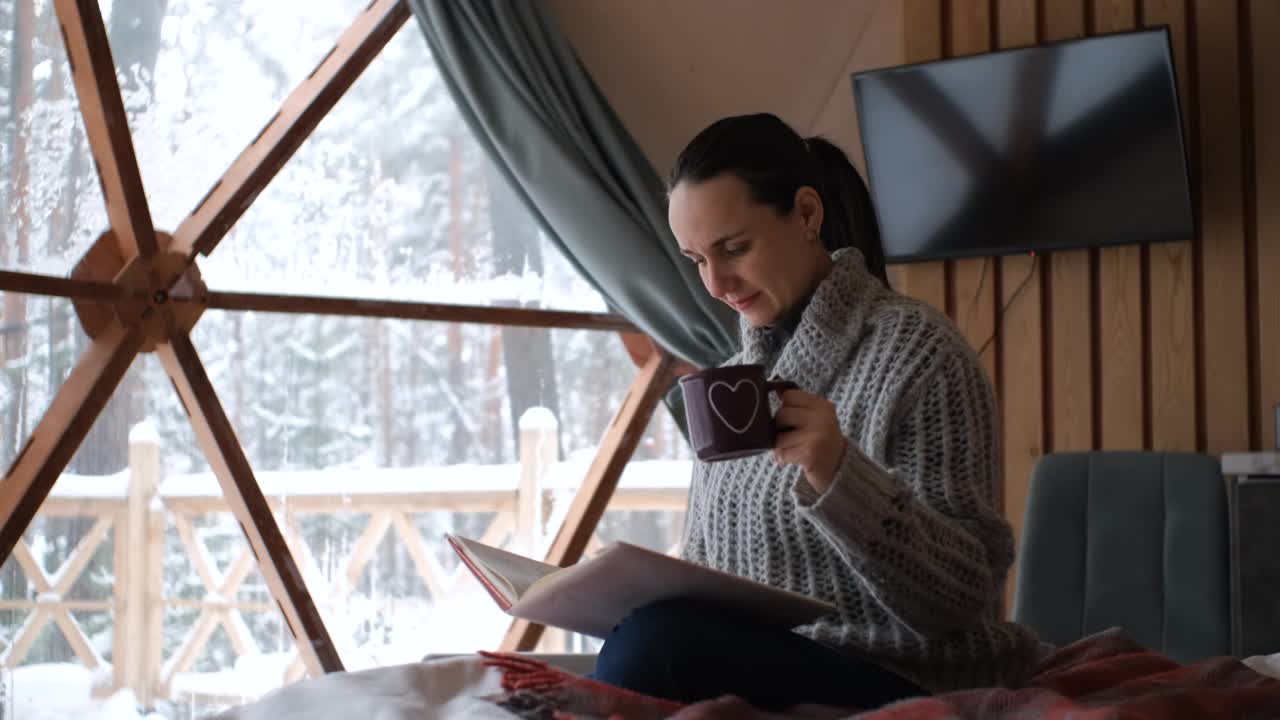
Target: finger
{"points": [[792, 454], [801, 455], [798, 398], [793, 417], [818, 406], [791, 439], [782, 456]]}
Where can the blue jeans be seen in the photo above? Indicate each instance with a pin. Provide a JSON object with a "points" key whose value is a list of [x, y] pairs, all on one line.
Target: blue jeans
{"points": [[689, 650]]}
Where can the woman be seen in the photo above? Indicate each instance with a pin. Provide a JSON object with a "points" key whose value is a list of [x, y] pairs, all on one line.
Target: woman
{"points": [[880, 497]]}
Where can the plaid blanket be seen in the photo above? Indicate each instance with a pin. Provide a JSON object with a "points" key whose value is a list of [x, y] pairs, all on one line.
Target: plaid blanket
{"points": [[1106, 676]]}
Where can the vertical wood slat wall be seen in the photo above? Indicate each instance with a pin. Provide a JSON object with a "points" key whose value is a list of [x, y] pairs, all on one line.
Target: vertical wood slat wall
{"points": [[1171, 346]]}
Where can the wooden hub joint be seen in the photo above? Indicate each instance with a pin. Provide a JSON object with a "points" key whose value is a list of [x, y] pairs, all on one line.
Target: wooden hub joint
{"points": [[167, 291]]}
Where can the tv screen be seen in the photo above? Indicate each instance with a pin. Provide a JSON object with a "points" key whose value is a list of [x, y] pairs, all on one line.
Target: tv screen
{"points": [[1068, 145]]}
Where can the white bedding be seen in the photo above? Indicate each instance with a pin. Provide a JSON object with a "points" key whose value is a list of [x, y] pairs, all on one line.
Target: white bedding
{"points": [[432, 690], [1264, 664]]}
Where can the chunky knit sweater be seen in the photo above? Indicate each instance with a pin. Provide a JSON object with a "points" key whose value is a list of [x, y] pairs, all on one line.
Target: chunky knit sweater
{"points": [[907, 542]]}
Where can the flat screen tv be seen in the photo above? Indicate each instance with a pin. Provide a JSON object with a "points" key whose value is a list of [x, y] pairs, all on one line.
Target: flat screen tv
{"points": [[1067, 145]]}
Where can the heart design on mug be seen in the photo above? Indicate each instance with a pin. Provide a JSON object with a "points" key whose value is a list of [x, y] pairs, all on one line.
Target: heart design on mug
{"points": [[733, 390]]}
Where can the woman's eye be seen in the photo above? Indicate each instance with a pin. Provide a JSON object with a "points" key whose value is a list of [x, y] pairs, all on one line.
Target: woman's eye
{"points": [[735, 251]]}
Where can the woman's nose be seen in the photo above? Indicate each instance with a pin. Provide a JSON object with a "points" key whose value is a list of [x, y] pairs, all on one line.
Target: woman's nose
{"points": [[718, 282]]}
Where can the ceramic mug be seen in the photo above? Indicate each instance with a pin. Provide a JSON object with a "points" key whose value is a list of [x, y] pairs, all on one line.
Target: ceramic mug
{"points": [[727, 411]]}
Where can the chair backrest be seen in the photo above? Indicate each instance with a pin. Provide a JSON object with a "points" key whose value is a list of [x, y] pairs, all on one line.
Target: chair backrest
{"points": [[1131, 539]]}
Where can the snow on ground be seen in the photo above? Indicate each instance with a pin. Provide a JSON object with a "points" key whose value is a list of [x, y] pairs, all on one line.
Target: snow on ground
{"points": [[463, 622], [63, 691]]}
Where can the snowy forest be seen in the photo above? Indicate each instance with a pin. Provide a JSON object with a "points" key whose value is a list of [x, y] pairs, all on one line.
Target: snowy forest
{"points": [[390, 198]]}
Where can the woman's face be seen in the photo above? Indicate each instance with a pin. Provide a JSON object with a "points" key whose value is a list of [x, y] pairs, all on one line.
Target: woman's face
{"points": [[760, 263]]}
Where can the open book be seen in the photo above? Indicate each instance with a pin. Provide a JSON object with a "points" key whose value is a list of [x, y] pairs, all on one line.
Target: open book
{"points": [[597, 593]]}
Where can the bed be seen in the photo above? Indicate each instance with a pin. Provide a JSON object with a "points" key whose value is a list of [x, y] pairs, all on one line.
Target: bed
{"points": [[1098, 671], [1106, 675]]}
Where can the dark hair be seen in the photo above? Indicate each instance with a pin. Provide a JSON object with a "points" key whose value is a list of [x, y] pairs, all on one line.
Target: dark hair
{"points": [[774, 161]]}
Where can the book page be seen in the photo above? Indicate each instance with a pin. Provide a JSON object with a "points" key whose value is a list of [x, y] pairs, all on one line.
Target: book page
{"points": [[511, 572], [596, 594]]}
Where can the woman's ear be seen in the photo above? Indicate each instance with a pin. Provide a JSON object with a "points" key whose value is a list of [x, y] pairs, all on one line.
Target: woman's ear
{"points": [[808, 207]]}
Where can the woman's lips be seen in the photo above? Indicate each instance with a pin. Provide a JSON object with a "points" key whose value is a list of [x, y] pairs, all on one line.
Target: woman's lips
{"points": [[743, 304]]}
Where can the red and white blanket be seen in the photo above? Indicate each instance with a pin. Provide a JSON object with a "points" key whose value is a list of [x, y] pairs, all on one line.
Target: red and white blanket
{"points": [[1103, 677], [1110, 677]]}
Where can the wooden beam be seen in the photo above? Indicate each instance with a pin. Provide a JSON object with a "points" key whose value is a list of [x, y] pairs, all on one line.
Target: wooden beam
{"points": [[34, 571], [81, 555], [107, 125], [232, 621], [407, 310], [75, 638], [365, 546], [196, 550], [247, 503], [285, 132], [62, 429], [73, 605], [124, 582], [316, 582], [60, 611], [55, 506], [237, 632], [241, 605], [21, 282], [187, 653], [428, 567], [26, 637], [494, 501], [236, 574], [589, 504]]}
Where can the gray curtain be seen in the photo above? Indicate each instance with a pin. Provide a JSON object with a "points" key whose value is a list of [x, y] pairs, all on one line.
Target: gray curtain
{"points": [[553, 136]]}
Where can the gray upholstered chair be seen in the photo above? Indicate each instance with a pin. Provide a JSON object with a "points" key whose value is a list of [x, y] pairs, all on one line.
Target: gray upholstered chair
{"points": [[1131, 539]]}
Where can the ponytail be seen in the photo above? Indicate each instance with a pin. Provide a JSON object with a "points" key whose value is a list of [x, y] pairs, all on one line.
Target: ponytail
{"points": [[848, 217]]}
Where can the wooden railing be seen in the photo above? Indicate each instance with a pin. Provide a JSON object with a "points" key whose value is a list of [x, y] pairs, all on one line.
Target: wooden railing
{"points": [[139, 509]]}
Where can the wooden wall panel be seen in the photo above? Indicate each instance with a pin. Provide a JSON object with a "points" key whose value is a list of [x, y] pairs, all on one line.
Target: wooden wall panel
{"points": [[1172, 346], [1223, 362], [1171, 291], [1015, 23], [1120, 312], [1062, 19], [1265, 25], [1070, 348], [973, 306]]}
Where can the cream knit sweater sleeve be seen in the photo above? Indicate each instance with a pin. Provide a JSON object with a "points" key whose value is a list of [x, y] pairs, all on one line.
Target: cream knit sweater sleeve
{"points": [[920, 533]]}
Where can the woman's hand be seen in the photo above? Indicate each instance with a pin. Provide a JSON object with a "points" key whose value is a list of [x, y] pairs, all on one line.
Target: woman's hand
{"points": [[810, 437]]}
